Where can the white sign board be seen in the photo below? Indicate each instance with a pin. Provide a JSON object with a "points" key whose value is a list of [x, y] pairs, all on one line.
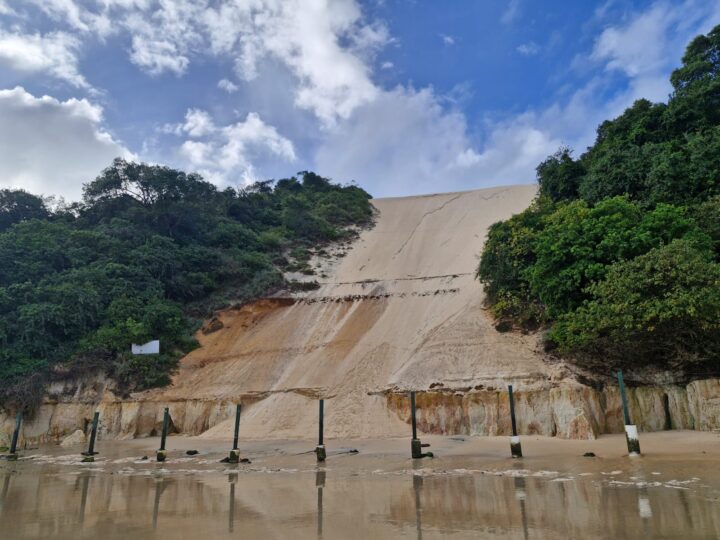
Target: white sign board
{"points": [[151, 347]]}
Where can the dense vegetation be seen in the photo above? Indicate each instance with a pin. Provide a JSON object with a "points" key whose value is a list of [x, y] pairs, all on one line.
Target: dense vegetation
{"points": [[147, 252], [619, 255]]}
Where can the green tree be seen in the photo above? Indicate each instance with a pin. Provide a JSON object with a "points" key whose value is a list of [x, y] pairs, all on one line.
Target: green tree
{"points": [[559, 176], [661, 308], [17, 205], [148, 250]]}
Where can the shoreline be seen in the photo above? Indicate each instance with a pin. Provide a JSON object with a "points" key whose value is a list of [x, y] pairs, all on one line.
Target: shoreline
{"points": [[681, 446]]}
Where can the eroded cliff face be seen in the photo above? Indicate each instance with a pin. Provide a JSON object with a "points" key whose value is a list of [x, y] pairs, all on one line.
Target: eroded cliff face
{"points": [[571, 411], [399, 311]]}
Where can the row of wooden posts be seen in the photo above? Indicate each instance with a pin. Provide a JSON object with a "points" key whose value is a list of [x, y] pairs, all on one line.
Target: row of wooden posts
{"points": [[416, 446]]}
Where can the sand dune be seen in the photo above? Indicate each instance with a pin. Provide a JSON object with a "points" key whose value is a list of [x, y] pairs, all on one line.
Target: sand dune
{"points": [[402, 310]]}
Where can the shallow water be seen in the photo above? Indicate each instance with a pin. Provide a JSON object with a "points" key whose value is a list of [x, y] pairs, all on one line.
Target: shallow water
{"points": [[284, 496]]}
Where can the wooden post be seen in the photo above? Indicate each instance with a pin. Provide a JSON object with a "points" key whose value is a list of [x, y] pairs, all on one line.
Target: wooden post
{"points": [[415, 445], [235, 453], [16, 434], [162, 454], [515, 447], [320, 449], [631, 433], [89, 455]]}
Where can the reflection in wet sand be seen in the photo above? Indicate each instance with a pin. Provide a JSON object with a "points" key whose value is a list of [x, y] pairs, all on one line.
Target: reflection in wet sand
{"points": [[320, 484], [417, 488], [520, 496], [232, 479], [427, 500], [84, 482]]}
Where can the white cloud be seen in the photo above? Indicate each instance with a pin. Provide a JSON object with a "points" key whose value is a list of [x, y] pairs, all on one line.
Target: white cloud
{"points": [[402, 142], [198, 123], [528, 49], [447, 40], [425, 147], [54, 53], [326, 45], [225, 154], [227, 85], [198, 153], [650, 43], [5, 9], [511, 13], [394, 141], [156, 56], [50, 146]]}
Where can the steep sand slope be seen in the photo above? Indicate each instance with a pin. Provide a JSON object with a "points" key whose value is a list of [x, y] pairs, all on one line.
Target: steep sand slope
{"points": [[401, 310]]}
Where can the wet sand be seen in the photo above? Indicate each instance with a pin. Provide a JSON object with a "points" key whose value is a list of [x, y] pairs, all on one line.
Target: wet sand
{"points": [[471, 489]]}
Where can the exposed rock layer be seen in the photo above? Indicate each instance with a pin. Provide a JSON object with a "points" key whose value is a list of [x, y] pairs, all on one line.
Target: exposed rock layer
{"points": [[567, 411]]}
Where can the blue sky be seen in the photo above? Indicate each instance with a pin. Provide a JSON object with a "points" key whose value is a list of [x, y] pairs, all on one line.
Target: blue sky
{"points": [[402, 96]]}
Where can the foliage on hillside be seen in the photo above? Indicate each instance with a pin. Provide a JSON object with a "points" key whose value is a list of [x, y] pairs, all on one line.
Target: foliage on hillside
{"points": [[619, 256], [148, 251]]}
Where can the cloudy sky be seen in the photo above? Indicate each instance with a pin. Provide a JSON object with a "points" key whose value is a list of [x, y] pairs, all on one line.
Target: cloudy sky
{"points": [[401, 96]]}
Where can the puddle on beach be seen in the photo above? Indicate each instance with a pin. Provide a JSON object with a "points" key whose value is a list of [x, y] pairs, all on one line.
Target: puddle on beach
{"points": [[47, 496]]}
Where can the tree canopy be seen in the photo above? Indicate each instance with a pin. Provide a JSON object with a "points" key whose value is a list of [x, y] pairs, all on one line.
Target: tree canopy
{"points": [[619, 255], [148, 252]]}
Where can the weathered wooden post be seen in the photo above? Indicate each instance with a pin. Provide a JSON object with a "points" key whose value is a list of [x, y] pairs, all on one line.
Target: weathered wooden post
{"points": [[89, 455], [16, 434], [320, 448], [415, 445], [515, 447], [162, 454], [235, 452], [631, 433]]}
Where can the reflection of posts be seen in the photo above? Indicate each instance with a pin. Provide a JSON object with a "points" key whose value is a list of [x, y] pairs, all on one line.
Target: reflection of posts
{"points": [[415, 445], [520, 495], [162, 454], [644, 509], [4, 492], [320, 449], [159, 488], [515, 448], [631, 433], [232, 478], [83, 497], [417, 488], [320, 484], [6, 486]]}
